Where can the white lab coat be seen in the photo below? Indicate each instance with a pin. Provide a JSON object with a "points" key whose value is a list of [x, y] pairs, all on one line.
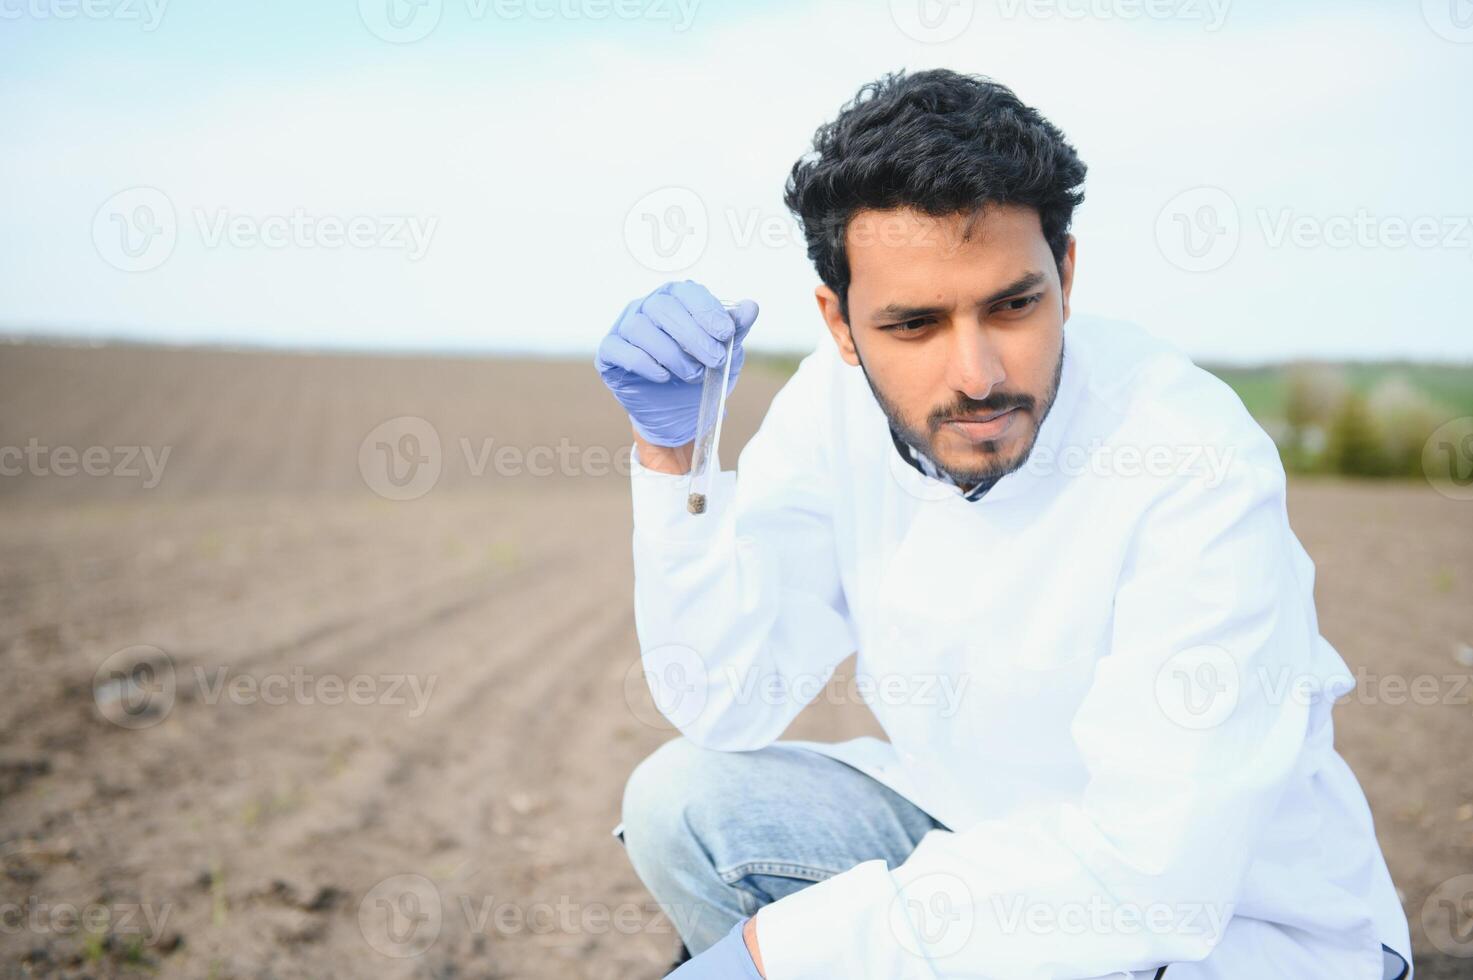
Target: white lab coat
{"points": [[1106, 676]]}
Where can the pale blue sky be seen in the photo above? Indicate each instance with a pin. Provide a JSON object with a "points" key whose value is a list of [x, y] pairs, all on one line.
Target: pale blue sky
{"points": [[1264, 182]]}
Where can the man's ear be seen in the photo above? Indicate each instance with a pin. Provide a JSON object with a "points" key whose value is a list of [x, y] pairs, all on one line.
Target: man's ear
{"points": [[1066, 275], [828, 306]]}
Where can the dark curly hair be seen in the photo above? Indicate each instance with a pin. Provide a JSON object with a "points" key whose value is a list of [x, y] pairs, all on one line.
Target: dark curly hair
{"points": [[937, 141]]}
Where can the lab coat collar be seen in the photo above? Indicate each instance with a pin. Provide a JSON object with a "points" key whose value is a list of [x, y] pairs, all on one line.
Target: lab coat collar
{"points": [[927, 467]]}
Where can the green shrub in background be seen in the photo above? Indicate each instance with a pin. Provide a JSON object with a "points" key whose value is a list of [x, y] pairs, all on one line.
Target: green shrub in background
{"points": [[1314, 393], [1354, 446], [1375, 428], [1356, 419], [1403, 416]]}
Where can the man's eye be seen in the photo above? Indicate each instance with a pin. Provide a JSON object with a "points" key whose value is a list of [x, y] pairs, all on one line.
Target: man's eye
{"points": [[910, 326], [1018, 304]]}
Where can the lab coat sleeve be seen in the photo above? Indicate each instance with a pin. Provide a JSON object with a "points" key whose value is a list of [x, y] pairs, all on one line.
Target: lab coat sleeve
{"points": [[1187, 749], [740, 612]]}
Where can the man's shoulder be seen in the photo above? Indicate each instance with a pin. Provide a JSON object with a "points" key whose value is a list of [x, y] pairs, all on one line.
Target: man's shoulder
{"points": [[808, 410], [821, 388], [1152, 386], [1128, 368], [1146, 394]]}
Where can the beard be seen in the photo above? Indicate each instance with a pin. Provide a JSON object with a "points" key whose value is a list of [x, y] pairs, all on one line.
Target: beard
{"points": [[994, 464]]}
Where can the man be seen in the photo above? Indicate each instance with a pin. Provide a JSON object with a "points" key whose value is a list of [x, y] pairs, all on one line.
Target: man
{"points": [[1063, 557]]}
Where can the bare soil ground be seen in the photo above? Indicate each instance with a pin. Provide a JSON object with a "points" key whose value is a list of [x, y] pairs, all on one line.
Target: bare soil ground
{"points": [[257, 815]]}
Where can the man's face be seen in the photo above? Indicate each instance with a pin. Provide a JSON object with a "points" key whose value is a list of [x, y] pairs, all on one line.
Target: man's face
{"points": [[960, 332]]}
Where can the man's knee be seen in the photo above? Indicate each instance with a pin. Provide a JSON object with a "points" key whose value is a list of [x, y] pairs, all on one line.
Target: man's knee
{"points": [[669, 791]]}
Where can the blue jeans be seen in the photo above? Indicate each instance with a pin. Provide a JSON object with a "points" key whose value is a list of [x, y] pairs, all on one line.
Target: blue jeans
{"points": [[715, 836]]}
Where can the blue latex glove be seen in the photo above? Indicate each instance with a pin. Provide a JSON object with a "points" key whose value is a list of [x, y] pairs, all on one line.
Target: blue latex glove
{"points": [[727, 960], [655, 356]]}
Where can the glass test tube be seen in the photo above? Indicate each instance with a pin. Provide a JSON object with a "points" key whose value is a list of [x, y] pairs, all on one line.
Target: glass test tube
{"points": [[708, 426]]}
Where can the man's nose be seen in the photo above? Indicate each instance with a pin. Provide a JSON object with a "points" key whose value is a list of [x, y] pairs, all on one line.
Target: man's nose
{"points": [[975, 367]]}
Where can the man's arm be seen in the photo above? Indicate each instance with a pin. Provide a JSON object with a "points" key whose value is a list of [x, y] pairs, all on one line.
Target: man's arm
{"points": [[741, 612], [674, 460], [749, 936], [744, 600], [732, 957]]}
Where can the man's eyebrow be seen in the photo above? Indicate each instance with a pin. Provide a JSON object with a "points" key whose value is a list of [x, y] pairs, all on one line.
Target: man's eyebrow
{"points": [[1026, 281], [900, 312]]}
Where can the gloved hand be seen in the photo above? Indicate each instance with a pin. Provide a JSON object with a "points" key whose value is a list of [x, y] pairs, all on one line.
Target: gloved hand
{"points": [[655, 356], [727, 960]]}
